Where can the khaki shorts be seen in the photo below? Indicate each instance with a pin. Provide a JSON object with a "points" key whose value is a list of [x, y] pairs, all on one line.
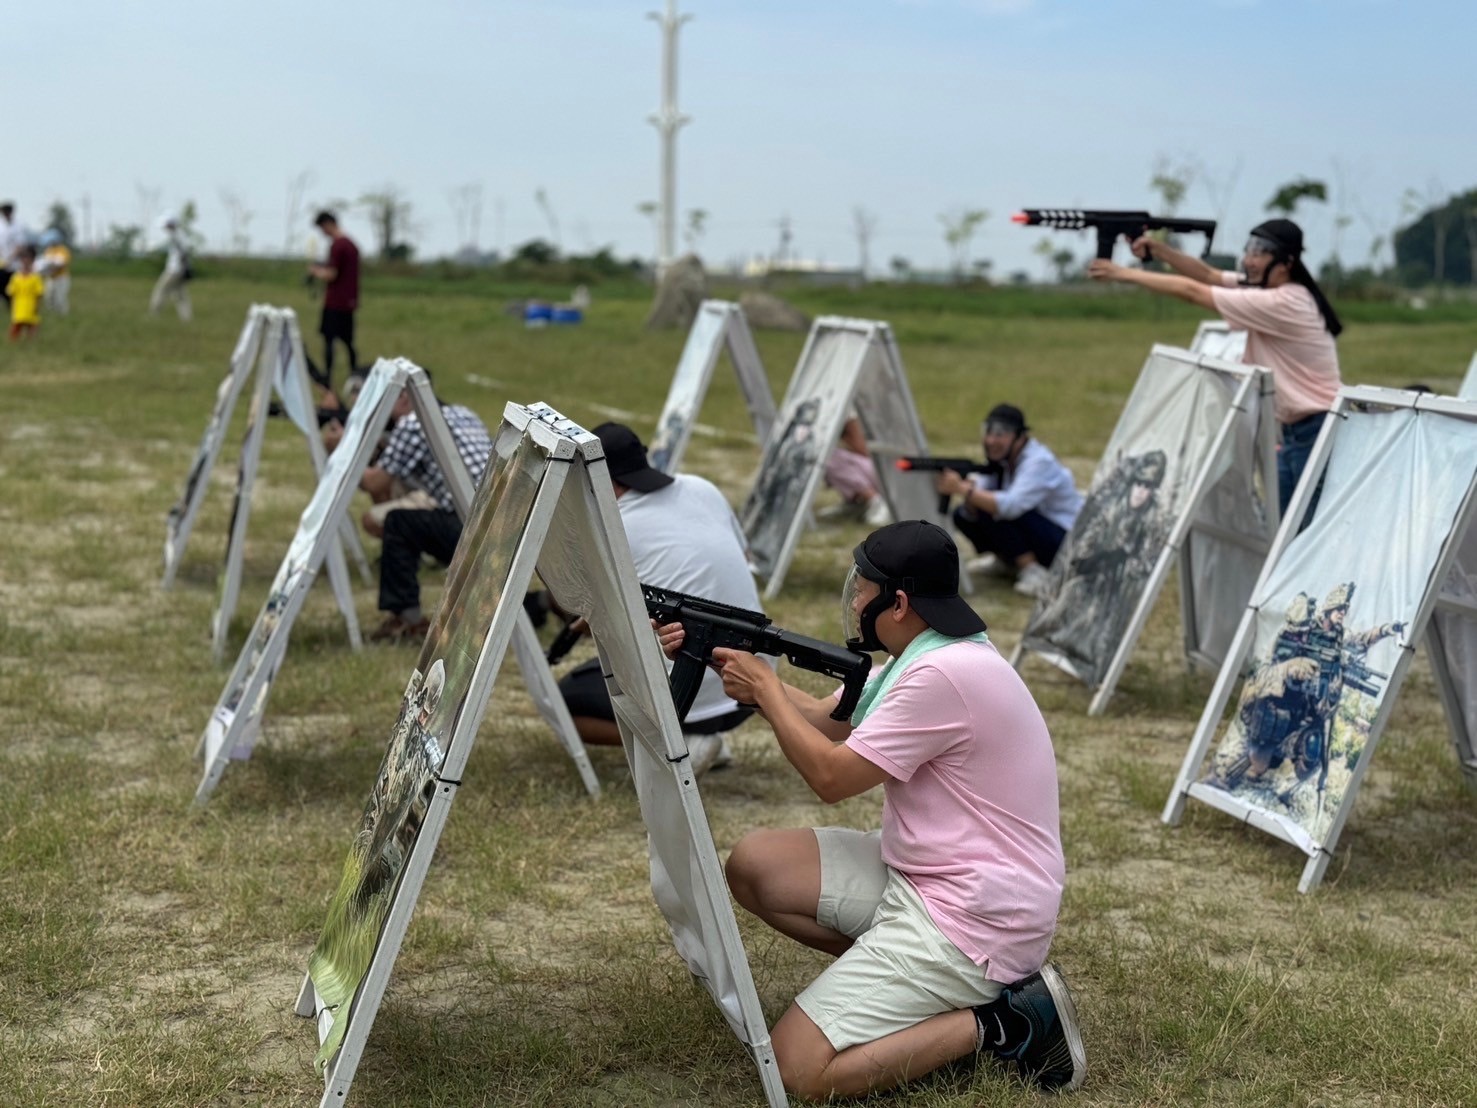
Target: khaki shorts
{"points": [[901, 970], [403, 496]]}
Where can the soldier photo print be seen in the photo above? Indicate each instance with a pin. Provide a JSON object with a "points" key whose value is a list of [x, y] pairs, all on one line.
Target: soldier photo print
{"points": [[805, 432], [1306, 708], [1162, 441], [432, 704], [1334, 615]]}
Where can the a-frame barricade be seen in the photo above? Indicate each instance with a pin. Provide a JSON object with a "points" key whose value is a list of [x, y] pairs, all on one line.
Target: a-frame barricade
{"points": [[1388, 559], [1186, 475], [719, 325], [546, 504], [268, 356], [1214, 337], [845, 364], [236, 720]]}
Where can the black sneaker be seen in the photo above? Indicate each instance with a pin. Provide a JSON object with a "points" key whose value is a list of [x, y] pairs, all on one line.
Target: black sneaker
{"points": [[1051, 1056]]}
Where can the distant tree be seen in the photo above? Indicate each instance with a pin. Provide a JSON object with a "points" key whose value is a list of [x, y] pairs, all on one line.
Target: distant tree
{"points": [[697, 224], [238, 219], [960, 227], [902, 269], [864, 225], [541, 198], [536, 252], [59, 219], [122, 242], [1286, 199], [982, 268], [389, 215], [189, 218], [148, 198], [1440, 244], [466, 210], [1061, 261], [1044, 249], [297, 187], [1171, 182]]}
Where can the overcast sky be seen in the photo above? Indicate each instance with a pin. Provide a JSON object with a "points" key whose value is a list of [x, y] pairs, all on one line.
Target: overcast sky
{"points": [[806, 109]]}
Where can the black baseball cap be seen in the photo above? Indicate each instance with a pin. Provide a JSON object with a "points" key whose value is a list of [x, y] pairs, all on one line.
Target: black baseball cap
{"points": [[626, 458], [1007, 415], [921, 559]]}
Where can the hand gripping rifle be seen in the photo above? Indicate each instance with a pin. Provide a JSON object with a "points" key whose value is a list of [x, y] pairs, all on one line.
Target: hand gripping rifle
{"points": [[964, 466], [710, 624], [1110, 225]]}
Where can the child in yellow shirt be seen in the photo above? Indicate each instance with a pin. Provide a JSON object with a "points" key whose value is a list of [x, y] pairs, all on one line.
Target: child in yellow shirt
{"points": [[24, 289]]}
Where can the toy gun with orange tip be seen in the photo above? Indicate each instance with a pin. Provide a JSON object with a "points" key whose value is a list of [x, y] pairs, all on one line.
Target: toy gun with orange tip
{"points": [[1110, 224], [961, 466]]}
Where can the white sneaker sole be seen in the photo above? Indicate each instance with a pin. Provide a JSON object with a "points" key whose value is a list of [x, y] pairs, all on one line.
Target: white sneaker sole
{"points": [[1066, 1011]]}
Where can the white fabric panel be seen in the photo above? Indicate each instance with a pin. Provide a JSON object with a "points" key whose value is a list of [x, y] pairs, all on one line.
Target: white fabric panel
{"points": [[629, 653], [1224, 572], [892, 431], [1215, 338], [689, 386], [292, 576], [1100, 573], [1468, 391], [1458, 632], [290, 375], [805, 433], [1392, 489]]}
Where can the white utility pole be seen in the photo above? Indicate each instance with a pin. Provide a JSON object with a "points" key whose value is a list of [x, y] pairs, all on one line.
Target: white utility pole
{"points": [[667, 121]]}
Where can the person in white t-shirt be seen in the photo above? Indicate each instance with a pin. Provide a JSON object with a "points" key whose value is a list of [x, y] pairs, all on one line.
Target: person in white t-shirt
{"points": [[941, 921], [13, 238], [1290, 326], [683, 537], [172, 283]]}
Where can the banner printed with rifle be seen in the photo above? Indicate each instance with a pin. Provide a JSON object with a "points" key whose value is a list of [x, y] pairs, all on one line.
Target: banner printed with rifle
{"points": [[1306, 708]]}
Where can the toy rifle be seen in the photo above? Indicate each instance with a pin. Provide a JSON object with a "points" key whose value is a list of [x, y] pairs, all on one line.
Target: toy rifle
{"points": [[710, 624], [964, 466], [1110, 224]]}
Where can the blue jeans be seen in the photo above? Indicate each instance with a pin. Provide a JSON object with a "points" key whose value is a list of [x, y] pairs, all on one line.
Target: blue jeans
{"points": [[1292, 458]]}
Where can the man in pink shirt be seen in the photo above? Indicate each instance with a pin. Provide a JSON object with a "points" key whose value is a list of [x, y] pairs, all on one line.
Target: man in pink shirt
{"points": [[1290, 326], [941, 921]]}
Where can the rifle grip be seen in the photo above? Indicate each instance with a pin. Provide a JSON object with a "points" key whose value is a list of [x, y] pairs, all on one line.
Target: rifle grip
{"points": [[686, 679], [943, 503]]}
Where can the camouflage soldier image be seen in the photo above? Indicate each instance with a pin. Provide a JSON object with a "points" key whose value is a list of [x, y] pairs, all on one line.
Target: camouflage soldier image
{"points": [[764, 520], [1289, 703], [1110, 553]]}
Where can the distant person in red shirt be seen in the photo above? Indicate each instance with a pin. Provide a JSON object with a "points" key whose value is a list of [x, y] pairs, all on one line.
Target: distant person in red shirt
{"points": [[340, 275]]}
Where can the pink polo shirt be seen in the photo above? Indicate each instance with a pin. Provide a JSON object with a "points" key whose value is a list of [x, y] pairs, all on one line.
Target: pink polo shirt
{"points": [[1286, 334], [970, 812]]}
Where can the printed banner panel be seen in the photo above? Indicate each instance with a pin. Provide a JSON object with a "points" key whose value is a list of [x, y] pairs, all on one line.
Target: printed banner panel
{"points": [[808, 427], [1162, 441], [1332, 615], [429, 711], [292, 576]]}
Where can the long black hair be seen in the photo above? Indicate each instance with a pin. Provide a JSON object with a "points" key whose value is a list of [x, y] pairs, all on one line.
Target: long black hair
{"points": [[1286, 238]]}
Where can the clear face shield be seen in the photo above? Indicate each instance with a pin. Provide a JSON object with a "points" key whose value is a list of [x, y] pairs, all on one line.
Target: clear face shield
{"points": [[851, 604]]}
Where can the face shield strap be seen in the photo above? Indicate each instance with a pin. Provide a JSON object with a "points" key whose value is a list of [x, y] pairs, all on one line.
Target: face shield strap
{"points": [[865, 640]]}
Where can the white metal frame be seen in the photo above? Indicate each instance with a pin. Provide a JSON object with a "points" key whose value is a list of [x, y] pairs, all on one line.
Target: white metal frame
{"points": [[237, 718], [1468, 389], [876, 384], [1186, 785], [1191, 525], [719, 325], [271, 347], [574, 492]]}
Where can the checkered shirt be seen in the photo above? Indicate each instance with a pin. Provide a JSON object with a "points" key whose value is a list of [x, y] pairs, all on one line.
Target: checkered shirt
{"points": [[407, 455]]}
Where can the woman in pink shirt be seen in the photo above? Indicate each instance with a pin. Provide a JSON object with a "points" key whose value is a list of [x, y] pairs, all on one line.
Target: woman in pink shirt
{"points": [[940, 922], [1290, 326]]}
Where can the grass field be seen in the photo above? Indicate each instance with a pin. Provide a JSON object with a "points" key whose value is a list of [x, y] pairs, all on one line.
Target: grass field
{"points": [[150, 953]]}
